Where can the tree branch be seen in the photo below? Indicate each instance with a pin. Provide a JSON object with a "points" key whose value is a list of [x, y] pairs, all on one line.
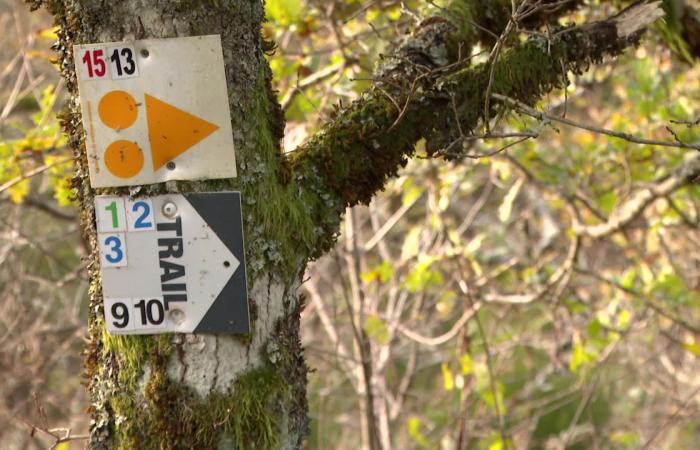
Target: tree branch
{"points": [[354, 155], [687, 172]]}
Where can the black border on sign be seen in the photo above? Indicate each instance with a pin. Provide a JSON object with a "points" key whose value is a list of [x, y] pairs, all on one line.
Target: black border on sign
{"points": [[223, 212]]}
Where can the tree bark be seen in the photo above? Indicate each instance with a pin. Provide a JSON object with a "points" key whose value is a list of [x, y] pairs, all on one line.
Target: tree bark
{"points": [[219, 391], [200, 391]]}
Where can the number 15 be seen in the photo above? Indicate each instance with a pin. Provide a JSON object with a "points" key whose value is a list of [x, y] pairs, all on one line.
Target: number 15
{"points": [[94, 61]]}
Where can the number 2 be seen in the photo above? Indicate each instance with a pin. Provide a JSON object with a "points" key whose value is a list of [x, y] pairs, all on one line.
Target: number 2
{"points": [[141, 220]]}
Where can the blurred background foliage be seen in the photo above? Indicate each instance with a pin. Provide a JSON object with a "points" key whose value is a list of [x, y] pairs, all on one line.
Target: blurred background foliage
{"points": [[466, 307], [43, 287]]}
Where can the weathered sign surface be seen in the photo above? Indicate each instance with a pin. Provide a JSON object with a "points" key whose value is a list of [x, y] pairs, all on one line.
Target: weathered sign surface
{"points": [[155, 110], [173, 263]]}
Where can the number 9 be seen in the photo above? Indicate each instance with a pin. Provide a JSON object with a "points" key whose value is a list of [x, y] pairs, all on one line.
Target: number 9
{"points": [[121, 313]]}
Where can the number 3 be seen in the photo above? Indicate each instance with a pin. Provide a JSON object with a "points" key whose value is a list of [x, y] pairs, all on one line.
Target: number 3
{"points": [[116, 247]]}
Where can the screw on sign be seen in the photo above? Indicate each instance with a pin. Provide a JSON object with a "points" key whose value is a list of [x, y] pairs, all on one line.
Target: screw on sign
{"points": [[143, 110], [173, 263]]}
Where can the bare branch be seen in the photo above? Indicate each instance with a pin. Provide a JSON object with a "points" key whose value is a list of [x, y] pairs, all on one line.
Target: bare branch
{"points": [[520, 106]]}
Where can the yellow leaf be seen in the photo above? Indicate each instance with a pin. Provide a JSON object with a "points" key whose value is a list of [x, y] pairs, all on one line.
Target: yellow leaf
{"points": [[466, 363], [49, 33], [506, 207], [19, 191], [448, 379], [692, 347]]}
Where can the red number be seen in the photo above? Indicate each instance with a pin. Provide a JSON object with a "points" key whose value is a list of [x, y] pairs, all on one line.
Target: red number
{"points": [[95, 63], [98, 59], [88, 62]]}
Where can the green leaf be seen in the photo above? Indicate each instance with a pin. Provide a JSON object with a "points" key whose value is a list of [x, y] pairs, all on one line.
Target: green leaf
{"points": [[414, 424], [421, 277], [486, 394], [376, 329], [623, 319], [284, 12], [627, 280], [579, 356], [411, 192], [607, 201], [381, 273]]}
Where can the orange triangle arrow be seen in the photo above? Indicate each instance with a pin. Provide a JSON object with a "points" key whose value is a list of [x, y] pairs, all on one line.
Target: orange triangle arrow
{"points": [[172, 131]]}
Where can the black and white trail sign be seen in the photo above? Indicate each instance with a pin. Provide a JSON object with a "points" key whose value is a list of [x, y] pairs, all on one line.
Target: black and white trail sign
{"points": [[173, 263]]}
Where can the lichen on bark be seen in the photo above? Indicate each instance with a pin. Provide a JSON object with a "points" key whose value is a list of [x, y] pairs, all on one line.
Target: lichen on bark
{"points": [[254, 393]]}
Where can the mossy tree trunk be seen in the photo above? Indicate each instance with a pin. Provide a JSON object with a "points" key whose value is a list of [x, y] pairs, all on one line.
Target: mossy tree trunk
{"points": [[219, 391], [200, 391]]}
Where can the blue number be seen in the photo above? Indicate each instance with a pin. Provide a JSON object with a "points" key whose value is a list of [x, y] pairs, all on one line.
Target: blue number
{"points": [[144, 215], [116, 249]]}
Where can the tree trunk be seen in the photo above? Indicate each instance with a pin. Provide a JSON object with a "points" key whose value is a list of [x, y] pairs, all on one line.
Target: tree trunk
{"points": [[200, 391], [220, 391]]}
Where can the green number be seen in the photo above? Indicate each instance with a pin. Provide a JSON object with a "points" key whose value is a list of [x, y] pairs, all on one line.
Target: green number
{"points": [[113, 209]]}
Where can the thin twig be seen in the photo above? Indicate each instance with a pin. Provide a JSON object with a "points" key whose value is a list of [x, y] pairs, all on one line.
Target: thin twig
{"points": [[540, 115], [32, 173], [505, 439]]}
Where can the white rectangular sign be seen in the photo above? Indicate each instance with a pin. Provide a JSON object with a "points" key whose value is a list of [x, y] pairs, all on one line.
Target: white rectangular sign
{"points": [[155, 110], [172, 263]]}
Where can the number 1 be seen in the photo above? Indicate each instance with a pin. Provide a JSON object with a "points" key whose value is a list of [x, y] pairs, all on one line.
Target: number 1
{"points": [[88, 62], [112, 207], [115, 59]]}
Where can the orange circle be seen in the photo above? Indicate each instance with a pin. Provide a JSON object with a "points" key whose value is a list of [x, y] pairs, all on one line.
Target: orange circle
{"points": [[117, 109], [124, 159]]}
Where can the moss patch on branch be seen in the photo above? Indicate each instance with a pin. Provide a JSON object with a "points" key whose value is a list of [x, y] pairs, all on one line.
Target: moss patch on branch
{"points": [[373, 138], [484, 20]]}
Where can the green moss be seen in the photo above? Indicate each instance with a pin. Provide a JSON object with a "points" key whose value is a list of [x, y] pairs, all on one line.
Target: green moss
{"points": [[370, 141], [279, 231], [492, 16], [172, 416]]}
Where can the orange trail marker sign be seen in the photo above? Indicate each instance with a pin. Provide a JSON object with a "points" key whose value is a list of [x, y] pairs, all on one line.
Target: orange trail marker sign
{"points": [[155, 110], [172, 131]]}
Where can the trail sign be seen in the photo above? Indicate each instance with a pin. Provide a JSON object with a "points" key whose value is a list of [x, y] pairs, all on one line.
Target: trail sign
{"points": [[155, 110], [173, 263]]}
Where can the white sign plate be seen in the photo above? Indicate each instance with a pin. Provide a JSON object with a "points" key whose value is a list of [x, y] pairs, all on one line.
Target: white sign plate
{"points": [[155, 110], [173, 263]]}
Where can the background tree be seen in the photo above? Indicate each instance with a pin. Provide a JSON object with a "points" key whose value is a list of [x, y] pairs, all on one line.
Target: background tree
{"points": [[307, 193]]}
